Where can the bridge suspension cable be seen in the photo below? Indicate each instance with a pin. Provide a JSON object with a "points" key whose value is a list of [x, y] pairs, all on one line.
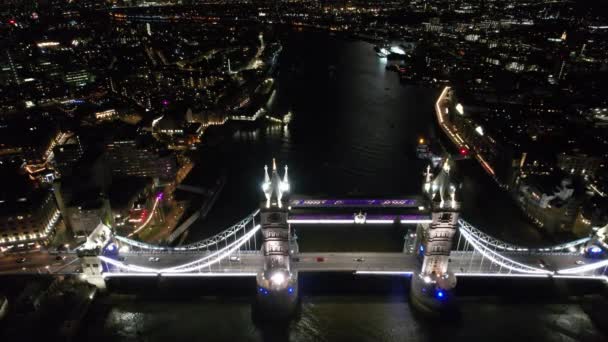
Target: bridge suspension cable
{"points": [[497, 258], [203, 244], [196, 265], [488, 240]]}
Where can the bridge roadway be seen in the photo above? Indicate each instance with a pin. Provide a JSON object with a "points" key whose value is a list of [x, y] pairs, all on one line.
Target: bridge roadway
{"points": [[460, 262], [250, 262]]}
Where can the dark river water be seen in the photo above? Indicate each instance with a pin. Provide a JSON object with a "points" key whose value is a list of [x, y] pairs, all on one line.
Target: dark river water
{"points": [[354, 131]]}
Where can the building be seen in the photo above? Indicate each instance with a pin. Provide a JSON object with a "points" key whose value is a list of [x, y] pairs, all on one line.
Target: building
{"points": [[134, 157], [66, 156], [578, 163], [106, 115], [78, 78], [28, 141], [499, 158], [125, 194], [550, 201], [28, 215], [86, 211]]}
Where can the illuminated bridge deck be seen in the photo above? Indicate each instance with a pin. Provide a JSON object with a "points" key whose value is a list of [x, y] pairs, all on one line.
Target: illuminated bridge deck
{"points": [[461, 263]]}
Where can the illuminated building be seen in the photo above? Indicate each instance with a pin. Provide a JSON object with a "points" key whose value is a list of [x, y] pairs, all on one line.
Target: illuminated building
{"points": [[28, 216], [499, 158], [130, 157], [578, 163], [78, 77], [108, 114]]}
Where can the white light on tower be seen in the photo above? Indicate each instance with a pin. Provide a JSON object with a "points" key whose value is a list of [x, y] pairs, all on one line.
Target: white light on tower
{"points": [[479, 130], [460, 109], [278, 278]]}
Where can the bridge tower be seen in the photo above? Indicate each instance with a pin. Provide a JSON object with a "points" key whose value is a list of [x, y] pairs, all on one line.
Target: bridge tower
{"points": [[277, 283], [432, 285], [98, 242]]}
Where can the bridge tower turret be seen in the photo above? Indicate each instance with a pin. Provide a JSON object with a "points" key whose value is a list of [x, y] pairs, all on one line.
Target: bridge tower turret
{"points": [[277, 282], [432, 285]]}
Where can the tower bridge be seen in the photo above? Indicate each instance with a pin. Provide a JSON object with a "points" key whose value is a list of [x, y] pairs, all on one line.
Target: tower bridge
{"points": [[439, 247]]}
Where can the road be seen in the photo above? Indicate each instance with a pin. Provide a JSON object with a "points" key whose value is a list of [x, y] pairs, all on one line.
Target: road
{"points": [[452, 133], [460, 262], [252, 262], [38, 262]]}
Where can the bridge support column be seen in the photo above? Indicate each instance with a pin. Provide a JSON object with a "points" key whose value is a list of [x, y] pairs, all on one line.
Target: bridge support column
{"points": [[277, 292], [431, 288], [98, 241], [92, 271]]}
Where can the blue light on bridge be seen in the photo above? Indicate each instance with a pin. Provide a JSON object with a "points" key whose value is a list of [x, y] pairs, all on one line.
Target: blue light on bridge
{"points": [[421, 250], [290, 290], [263, 291], [595, 250], [110, 249], [440, 294]]}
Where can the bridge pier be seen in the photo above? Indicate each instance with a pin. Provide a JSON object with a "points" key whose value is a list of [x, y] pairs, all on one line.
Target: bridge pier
{"points": [[92, 271], [431, 297], [277, 296]]}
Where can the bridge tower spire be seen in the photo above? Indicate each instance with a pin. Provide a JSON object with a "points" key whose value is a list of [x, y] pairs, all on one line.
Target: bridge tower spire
{"points": [[432, 285], [277, 282]]}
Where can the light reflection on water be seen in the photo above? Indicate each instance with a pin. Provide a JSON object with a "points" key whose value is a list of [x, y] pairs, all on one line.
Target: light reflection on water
{"points": [[343, 318]]}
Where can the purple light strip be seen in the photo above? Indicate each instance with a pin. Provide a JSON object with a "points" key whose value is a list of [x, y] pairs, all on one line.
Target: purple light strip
{"points": [[350, 217], [355, 202]]}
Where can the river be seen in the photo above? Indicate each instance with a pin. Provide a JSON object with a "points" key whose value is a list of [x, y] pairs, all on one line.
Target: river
{"points": [[354, 131]]}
